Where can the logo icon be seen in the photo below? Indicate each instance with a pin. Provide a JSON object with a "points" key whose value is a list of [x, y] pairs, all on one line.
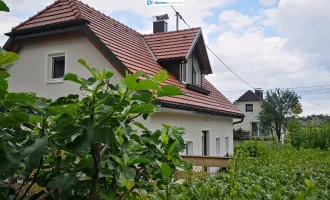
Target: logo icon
{"points": [[149, 2]]}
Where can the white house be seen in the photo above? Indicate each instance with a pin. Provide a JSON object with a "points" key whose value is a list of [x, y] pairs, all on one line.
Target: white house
{"points": [[250, 105], [50, 43]]}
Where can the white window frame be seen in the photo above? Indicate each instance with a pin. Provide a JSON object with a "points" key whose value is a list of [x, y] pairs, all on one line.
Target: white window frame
{"points": [[218, 146], [181, 74], [49, 66], [189, 147], [227, 144]]}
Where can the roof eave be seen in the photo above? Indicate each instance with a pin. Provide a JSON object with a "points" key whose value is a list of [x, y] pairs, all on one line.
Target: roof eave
{"points": [[198, 109], [47, 27]]}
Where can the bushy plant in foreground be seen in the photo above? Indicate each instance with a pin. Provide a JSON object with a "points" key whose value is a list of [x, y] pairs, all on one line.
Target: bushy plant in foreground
{"points": [[278, 172], [90, 146]]}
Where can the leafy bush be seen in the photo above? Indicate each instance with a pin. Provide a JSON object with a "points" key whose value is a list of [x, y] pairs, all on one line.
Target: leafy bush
{"points": [[309, 136], [92, 146], [279, 172]]}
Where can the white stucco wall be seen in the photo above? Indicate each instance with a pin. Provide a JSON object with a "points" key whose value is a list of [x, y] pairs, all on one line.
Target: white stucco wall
{"points": [[249, 116], [28, 74], [218, 127]]}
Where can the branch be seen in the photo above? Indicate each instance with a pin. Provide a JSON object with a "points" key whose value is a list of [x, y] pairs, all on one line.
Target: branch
{"points": [[123, 194], [105, 147], [20, 188], [34, 179]]}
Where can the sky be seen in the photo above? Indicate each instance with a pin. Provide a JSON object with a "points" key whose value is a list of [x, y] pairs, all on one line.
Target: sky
{"points": [[268, 43]]}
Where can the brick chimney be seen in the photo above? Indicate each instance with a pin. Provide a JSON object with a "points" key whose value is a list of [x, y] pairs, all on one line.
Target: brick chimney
{"points": [[160, 24], [259, 92]]}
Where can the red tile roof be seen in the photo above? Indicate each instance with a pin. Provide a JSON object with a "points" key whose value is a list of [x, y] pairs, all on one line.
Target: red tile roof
{"points": [[174, 44], [129, 46], [59, 11]]}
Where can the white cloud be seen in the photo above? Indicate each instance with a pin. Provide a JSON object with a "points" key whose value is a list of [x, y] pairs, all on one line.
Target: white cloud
{"points": [[305, 23], [6, 25], [237, 20], [268, 2]]}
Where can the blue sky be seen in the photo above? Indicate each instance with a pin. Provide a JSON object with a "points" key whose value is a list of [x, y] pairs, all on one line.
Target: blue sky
{"points": [[269, 43]]}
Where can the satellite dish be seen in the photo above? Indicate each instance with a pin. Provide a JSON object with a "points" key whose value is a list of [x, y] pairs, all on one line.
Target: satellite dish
{"points": [[162, 17]]}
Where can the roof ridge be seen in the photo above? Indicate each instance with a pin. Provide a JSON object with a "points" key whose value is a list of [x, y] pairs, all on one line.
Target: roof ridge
{"points": [[174, 31], [38, 13], [108, 16], [75, 9]]}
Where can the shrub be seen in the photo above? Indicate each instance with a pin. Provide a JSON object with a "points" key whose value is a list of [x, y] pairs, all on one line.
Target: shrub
{"points": [[278, 172], [309, 136]]}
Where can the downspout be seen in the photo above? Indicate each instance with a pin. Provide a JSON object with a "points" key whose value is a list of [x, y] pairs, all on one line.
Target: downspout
{"points": [[240, 121]]}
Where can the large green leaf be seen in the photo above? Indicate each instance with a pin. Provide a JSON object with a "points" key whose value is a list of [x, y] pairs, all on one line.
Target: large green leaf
{"points": [[74, 78], [3, 6], [10, 158], [137, 160], [128, 173], [23, 99], [169, 90], [141, 109], [64, 184], [32, 154], [166, 170], [7, 58], [146, 85], [93, 71], [161, 76], [14, 118], [142, 96], [173, 145], [70, 109], [3, 83]]}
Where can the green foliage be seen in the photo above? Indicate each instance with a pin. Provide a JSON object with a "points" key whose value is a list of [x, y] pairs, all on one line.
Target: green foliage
{"points": [[309, 136], [277, 107], [92, 146], [7, 58], [269, 171], [3, 6]]}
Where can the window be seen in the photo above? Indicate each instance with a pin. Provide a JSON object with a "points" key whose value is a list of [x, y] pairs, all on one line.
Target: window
{"points": [[183, 73], [189, 148], [256, 130], [227, 145], [194, 76], [249, 107], [205, 142], [217, 145], [56, 67]]}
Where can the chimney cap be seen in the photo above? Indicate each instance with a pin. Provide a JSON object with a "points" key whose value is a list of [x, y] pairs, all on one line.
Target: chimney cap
{"points": [[162, 17]]}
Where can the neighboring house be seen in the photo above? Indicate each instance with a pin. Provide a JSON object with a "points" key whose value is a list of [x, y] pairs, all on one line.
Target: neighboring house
{"points": [[50, 43], [250, 105]]}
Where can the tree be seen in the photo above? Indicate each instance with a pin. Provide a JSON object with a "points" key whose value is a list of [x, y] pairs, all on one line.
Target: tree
{"points": [[277, 107]]}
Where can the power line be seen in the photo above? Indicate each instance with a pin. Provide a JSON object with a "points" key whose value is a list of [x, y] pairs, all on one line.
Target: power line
{"points": [[293, 88], [313, 90], [304, 91], [213, 52]]}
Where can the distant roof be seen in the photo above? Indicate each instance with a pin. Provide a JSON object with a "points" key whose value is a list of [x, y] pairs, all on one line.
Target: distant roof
{"points": [[131, 48], [249, 96]]}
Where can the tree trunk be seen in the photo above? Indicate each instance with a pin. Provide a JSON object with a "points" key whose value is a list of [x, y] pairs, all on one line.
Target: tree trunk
{"points": [[96, 152]]}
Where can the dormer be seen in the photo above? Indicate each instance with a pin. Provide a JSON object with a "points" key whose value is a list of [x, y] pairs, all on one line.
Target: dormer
{"points": [[183, 54]]}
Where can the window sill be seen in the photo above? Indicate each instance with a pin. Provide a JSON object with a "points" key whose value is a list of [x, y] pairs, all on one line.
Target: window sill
{"points": [[198, 89], [53, 81]]}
